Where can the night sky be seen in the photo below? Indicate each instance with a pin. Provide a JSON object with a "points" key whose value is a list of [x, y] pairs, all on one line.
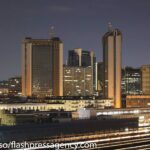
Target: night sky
{"points": [[79, 23]]}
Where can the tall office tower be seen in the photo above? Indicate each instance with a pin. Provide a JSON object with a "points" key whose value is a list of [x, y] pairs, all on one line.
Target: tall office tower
{"points": [[131, 81], [112, 42], [42, 67], [78, 81], [82, 58], [145, 79]]}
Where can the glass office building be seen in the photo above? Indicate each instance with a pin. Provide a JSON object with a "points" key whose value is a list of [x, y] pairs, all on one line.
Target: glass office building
{"points": [[42, 67], [131, 81]]}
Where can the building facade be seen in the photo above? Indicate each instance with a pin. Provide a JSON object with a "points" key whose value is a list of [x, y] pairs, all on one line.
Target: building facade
{"points": [[78, 81], [71, 104], [42, 67], [145, 79], [100, 78], [131, 81], [112, 43], [137, 101]]}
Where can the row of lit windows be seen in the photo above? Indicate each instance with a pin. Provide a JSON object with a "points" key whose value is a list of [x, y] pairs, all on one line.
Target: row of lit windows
{"points": [[119, 112]]}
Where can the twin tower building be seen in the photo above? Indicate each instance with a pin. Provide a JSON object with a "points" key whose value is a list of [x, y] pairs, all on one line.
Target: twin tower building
{"points": [[42, 66]]}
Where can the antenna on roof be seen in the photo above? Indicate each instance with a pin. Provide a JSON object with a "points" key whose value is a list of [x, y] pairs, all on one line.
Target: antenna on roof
{"points": [[52, 32], [110, 28]]}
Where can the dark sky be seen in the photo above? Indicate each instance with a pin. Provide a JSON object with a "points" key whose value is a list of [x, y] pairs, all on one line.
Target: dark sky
{"points": [[79, 23]]}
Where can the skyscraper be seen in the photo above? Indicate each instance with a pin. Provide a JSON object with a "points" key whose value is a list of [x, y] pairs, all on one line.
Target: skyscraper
{"points": [[112, 42], [42, 67], [81, 58]]}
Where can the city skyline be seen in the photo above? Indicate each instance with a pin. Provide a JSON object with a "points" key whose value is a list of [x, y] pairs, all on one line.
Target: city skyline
{"points": [[78, 24]]}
